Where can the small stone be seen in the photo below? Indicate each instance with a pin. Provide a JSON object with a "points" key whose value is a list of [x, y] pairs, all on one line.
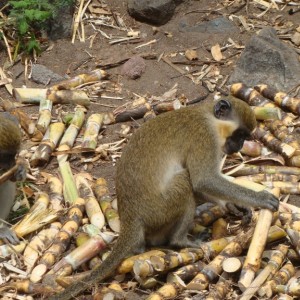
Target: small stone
{"points": [[134, 67], [296, 38], [41, 74]]}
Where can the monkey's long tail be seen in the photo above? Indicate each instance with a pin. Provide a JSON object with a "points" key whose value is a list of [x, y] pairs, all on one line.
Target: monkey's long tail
{"points": [[126, 244]]}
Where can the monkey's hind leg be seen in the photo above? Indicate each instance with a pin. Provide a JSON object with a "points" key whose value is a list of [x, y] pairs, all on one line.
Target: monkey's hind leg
{"points": [[180, 196]]}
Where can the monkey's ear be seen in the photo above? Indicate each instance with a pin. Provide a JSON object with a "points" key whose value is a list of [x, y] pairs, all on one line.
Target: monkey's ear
{"points": [[222, 109]]}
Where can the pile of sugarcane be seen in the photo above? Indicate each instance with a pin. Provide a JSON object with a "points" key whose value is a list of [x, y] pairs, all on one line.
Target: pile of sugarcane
{"points": [[68, 227]]}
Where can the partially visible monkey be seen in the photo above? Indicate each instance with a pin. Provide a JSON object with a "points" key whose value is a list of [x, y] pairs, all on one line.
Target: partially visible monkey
{"points": [[168, 163], [10, 141]]}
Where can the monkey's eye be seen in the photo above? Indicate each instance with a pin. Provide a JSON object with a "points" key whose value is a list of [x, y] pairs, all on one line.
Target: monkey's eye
{"points": [[222, 109]]}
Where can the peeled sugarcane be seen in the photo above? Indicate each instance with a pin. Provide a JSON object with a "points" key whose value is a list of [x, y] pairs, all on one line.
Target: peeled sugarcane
{"points": [[259, 178], [251, 148], [38, 216], [248, 169], [214, 268], [285, 187], [273, 265], [92, 206], [75, 81], [8, 249], [69, 187], [55, 193], [44, 119], [50, 140], [280, 278], [257, 245], [103, 197], [70, 135], [81, 254], [292, 289], [61, 241], [281, 99], [38, 244], [93, 126], [36, 96]]}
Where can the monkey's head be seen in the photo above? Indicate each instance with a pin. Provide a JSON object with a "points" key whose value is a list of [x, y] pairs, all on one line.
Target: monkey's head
{"points": [[10, 140], [241, 120]]}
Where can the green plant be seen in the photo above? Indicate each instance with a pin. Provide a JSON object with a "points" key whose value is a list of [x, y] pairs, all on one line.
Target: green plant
{"points": [[30, 17]]}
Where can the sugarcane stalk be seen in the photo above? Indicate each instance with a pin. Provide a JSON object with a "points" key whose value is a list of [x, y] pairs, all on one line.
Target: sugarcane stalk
{"points": [[263, 113], [50, 140], [251, 148], [257, 246], [69, 185], [273, 143], [249, 169], [75, 81], [38, 244], [55, 193], [273, 265], [280, 278], [70, 135], [281, 99], [105, 200], [61, 241], [263, 177], [214, 268], [285, 187], [44, 115], [92, 206], [93, 126]]}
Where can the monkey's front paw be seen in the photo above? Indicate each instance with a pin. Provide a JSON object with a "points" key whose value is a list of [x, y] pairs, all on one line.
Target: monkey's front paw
{"points": [[20, 174], [269, 201], [9, 235]]}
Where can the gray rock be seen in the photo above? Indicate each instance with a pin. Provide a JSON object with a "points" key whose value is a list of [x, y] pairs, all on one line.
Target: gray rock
{"points": [[134, 67], [267, 60], [156, 12], [41, 74], [218, 25], [61, 25]]}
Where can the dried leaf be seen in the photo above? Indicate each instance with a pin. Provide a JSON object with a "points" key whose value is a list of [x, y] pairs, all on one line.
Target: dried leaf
{"points": [[216, 52], [191, 54]]}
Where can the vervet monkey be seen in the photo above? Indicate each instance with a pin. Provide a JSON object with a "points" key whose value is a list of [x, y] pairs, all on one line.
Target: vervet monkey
{"points": [[169, 163], [10, 141]]}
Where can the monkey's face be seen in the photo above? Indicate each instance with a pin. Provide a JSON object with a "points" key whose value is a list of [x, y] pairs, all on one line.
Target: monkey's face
{"points": [[235, 142], [7, 161]]}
